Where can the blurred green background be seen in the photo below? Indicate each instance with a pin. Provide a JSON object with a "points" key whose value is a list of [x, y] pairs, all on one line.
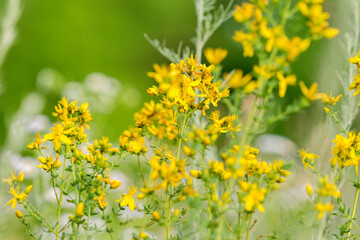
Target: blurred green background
{"points": [[62, 42], [76, 38]]}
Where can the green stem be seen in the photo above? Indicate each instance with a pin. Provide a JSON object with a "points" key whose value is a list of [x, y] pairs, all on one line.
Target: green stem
{"points": [[61, 196], [41, 220], [337, 121], [249, 226], [337, 175], [353, 211], [168, 212]]}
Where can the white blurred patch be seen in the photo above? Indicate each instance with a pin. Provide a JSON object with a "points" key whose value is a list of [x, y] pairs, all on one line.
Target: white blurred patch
{"points": [[74, 91], [38, 124], [20, 163], [276, 144]]}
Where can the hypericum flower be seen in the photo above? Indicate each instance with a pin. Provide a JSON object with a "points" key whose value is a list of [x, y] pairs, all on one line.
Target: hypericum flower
{"points": [[58, 136], [322, 208], [355, 60], [254, 198], [18, 196], [330, 100], [238, 79], [114, 184], [355, 85], [310, 93], [195, 173], [101, 200], [127, 199], [284, 82], [215, 56], [48, 162], [18, 178], [243, 13], [188, 151], [37, 143], [345, 151], [307, 158], [327, 189]]}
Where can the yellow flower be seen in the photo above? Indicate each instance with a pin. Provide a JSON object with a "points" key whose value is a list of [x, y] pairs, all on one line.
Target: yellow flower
{"points": [[19, 214], [327, 189], [48, 163], [37, 143], [127, 199], [101, 200], [79, 211], [330, 32], [143, 235], [330, 100], [284, 82], [114, 184], [18, 196], [307, 158], [28, 189], [215, 56], [195, 173], [310, 93], [188, 151], [356, 59], [156, 215], [18, 178], [243, 13], [254, 198], [58, 136], [355, 85], [237, 79], [322, 208], [309, 190]]}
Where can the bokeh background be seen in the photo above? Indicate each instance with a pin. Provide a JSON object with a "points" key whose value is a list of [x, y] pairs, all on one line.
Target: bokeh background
{"points": [[95, 51]]}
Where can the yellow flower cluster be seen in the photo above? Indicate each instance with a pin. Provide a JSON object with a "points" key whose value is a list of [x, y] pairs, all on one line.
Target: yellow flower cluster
{"points": [[346, 151], [132, 141], [15, 189], [254, 196], [159, 120], [178, 84], [355, 85], [72, 120], [268, 36], [168, 169], [317, 19]]}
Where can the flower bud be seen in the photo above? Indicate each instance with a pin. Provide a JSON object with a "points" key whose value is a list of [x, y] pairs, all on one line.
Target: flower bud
{"points": [[19, 214], [143, 235], [28, 189], [156, 215], [79, 211]]}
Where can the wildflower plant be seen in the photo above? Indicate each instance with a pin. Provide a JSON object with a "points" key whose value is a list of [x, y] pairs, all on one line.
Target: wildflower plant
{"points": [[189, 185]]}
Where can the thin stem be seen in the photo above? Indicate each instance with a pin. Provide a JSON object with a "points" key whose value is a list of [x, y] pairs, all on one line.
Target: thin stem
{"points": [[353, 211], [337, 121], [249, 227], [141, 172], [61, 196], [41, 220], [168, 209]]}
